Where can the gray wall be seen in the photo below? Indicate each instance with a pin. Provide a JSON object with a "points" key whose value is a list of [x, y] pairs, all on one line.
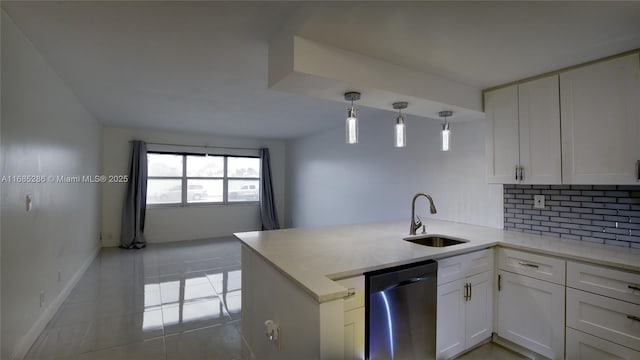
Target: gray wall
{"points": [[596, 213], [330, 182], [45, 131]]}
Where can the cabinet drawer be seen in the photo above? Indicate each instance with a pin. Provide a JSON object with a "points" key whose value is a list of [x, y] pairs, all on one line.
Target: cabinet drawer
{"points": [[357, 284], [458, 267], [581, 346], [617, 284], [536, 266], [607, 318]]}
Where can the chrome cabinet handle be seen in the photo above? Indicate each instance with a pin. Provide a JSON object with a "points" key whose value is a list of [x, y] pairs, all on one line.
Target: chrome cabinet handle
{"points": [[521, 173], [633, 317], [528, 264], [634, 287], [638, 170], [470, 291], [516, 172], [499, 282], [466, 292]]}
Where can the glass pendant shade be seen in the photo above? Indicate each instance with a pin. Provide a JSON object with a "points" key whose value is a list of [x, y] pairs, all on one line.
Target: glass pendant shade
{"points": [[351, 126], [446, 134], [400, 133], [400, 130]]}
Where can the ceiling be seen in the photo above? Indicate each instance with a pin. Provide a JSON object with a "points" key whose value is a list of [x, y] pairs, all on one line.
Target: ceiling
{"points": [[202, 66]]}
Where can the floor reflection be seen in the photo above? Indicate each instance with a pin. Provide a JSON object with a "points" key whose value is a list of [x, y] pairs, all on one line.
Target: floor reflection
{"points": [[211, 295], [187, 293]]}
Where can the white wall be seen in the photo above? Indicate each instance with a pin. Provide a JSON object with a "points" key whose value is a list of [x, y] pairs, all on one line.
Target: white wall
{"points": [[45, 131], [183, 223], [330, 182]]}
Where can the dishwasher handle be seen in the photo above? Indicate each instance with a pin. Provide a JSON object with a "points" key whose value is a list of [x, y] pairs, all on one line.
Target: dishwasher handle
{"points": [[409, 282], [403, 275]]}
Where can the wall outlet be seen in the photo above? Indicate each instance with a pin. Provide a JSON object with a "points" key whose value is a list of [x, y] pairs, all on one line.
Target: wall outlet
{"points": [[59, 276], [538, 201], [41, 298]]}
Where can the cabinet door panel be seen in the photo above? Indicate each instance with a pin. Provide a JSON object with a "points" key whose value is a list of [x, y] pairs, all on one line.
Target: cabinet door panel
{"points": [[600, 120], [531, 314], [539, 123], [479, 309], [450, 320], [502, 147]]}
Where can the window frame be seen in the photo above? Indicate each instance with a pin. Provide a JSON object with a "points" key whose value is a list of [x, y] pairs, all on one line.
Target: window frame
{"points": [[184, 181]]}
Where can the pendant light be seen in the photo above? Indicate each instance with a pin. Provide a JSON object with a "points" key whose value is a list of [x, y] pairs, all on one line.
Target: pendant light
{"points": [[400, 131], [351, 125], [446, 132]]}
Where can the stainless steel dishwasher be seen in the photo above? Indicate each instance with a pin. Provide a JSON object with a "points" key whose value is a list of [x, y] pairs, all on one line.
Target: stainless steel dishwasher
{"points": [[400, 308]]}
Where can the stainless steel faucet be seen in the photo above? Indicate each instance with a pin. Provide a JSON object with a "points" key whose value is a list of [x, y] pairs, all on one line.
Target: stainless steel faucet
{"points": [[416, 224]]}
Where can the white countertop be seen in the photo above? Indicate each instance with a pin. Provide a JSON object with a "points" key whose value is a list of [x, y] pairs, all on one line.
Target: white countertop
{"points": [[314, 257]]}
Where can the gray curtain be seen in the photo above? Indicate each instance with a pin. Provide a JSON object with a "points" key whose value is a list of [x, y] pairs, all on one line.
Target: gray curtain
{"points": [[268, 213], [135, 203]]}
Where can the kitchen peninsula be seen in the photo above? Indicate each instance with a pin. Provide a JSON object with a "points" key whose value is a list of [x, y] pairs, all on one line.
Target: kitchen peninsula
{"points": [[298, 278]]}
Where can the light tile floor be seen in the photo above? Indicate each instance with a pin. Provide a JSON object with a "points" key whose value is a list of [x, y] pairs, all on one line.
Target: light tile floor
{"points": [[168, 301], [491, 351]]}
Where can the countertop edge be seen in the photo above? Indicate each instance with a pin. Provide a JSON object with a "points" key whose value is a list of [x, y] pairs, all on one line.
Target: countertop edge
{"points": [[319, 298]]}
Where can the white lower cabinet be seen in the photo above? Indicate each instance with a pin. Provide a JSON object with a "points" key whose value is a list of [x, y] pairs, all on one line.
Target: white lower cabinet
{"points": [[465, 314], [354, 334], [479, 309], [531, 313], [603, 312], [602, 307], [604, 317], [354, 318], [451, 332]]}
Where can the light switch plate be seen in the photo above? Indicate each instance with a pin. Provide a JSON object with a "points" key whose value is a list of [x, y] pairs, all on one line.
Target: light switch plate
{"points": [[28, 202], [538, 201]]}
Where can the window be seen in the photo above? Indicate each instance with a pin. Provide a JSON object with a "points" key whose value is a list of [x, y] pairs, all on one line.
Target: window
{"points": [[191, 179], [243, 176]]}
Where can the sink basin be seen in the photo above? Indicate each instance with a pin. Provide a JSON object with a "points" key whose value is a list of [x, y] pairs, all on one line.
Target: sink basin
{"points": [[435, 240]]}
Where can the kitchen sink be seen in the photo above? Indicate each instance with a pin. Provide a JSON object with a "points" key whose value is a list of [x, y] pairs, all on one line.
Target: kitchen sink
{"points": [[435, 240]]}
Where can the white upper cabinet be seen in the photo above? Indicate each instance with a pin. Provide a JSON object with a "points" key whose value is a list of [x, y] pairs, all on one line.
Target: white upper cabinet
{"points": [[523, 133], [539, 119], [601, 122], [503, 148]]}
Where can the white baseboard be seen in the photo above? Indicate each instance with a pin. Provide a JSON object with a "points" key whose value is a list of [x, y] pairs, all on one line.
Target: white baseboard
{"points": [[32, 335], [246, 352], [517, 348]]}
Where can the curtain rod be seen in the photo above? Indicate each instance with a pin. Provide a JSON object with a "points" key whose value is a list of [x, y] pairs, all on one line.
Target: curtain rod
{"points": [[202, 146]]}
